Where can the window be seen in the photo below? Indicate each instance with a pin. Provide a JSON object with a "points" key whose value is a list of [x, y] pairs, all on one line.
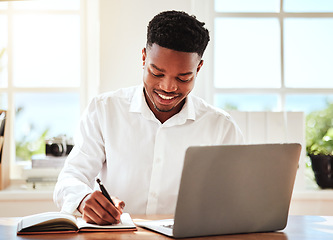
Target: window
{"points": [[272, 55], [41, 78]]}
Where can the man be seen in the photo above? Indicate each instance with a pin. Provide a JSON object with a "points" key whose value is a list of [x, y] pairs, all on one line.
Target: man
{"points": [[135, 139]]}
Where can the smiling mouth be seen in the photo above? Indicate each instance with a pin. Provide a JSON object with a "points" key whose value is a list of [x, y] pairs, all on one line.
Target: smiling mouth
{"points": [[166, 97]]}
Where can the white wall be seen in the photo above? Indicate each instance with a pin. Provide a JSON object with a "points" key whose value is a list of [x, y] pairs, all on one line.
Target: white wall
{"points": [[123, 25]]}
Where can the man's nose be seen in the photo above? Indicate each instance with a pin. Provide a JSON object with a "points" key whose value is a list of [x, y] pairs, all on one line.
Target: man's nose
{"points": [[168, 85]]}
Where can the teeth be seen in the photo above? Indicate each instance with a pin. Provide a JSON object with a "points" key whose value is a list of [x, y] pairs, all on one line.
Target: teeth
{"points": [[165, 97]]}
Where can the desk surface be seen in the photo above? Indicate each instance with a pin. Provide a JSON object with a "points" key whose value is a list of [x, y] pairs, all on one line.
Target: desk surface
{"points": [[298, 228]]}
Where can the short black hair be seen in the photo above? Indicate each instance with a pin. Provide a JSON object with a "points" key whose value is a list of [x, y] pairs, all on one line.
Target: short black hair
{"points": [[178, 31]]}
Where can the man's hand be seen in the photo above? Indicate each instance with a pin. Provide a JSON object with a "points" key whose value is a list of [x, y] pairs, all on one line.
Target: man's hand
{"points": [[96, 208]]}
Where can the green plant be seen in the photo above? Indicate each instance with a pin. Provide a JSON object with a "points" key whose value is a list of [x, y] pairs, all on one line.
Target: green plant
{"points": [[27, 146], [25, 149], [319, 131]]}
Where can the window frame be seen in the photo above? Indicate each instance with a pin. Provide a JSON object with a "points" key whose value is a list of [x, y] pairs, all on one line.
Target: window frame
{"points": [[17, 166], [207, 12], [205, 87]]}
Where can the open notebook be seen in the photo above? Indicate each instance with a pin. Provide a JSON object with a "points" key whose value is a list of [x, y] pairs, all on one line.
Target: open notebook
{"points": [[56, 222]]}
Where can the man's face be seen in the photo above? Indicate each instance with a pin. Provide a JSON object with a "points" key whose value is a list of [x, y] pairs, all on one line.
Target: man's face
{"points": [[168, 78]]}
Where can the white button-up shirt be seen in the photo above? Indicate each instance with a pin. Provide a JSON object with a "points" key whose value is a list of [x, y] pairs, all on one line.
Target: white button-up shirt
{"points": [[138, 158]]}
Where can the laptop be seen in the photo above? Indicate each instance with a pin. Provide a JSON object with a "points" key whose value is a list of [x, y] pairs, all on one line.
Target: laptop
{"points": [[232, 189]]}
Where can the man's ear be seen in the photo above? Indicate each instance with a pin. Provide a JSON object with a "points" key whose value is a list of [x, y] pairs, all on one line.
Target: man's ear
{"points": [[200, 65], [144, 55]]}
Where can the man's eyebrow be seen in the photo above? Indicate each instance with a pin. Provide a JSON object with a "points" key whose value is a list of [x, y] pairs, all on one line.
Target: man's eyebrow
{"points": [[185, 74], [157, 68], [162, 70]]}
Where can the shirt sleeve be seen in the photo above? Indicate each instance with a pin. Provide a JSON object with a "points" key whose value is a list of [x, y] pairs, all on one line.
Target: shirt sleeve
{"points": [[85, 161]]}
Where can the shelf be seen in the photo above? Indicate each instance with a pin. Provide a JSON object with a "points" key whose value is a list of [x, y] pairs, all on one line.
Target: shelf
{"points": [[19, 190], [313, 194]]}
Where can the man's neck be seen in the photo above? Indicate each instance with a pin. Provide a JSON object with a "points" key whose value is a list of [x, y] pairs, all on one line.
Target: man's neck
{"points": [[161, 115]]}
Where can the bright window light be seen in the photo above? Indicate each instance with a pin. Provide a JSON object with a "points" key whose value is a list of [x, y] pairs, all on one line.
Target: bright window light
{"points": [[247, 6], [43, 115], [47, 5], [308, 52], [247, 102], [308, 6], [46, 50], [3, 51], [247, 53]]}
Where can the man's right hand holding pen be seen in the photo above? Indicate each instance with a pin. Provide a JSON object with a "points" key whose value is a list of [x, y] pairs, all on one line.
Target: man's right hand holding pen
{"points": [[99, 208]]}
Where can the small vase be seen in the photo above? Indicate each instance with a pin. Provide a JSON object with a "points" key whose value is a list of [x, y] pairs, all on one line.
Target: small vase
{"points": [[322, 166]]}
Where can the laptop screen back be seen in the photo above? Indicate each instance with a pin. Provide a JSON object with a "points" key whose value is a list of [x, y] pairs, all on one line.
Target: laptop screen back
{"points": [[235, 189]]}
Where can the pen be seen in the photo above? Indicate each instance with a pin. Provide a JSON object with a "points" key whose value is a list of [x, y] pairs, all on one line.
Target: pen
{"points": [[105, 193]]}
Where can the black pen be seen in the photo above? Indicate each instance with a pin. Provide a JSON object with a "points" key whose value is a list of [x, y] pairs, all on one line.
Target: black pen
{"points": [[105, 193]]}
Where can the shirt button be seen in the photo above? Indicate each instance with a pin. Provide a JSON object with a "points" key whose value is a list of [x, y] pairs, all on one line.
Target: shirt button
{"points": [[153, 195], [158, 160]]}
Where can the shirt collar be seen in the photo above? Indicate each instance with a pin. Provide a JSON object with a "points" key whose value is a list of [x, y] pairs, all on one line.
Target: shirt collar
{"points": [[188, 110], [139, 105]]}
